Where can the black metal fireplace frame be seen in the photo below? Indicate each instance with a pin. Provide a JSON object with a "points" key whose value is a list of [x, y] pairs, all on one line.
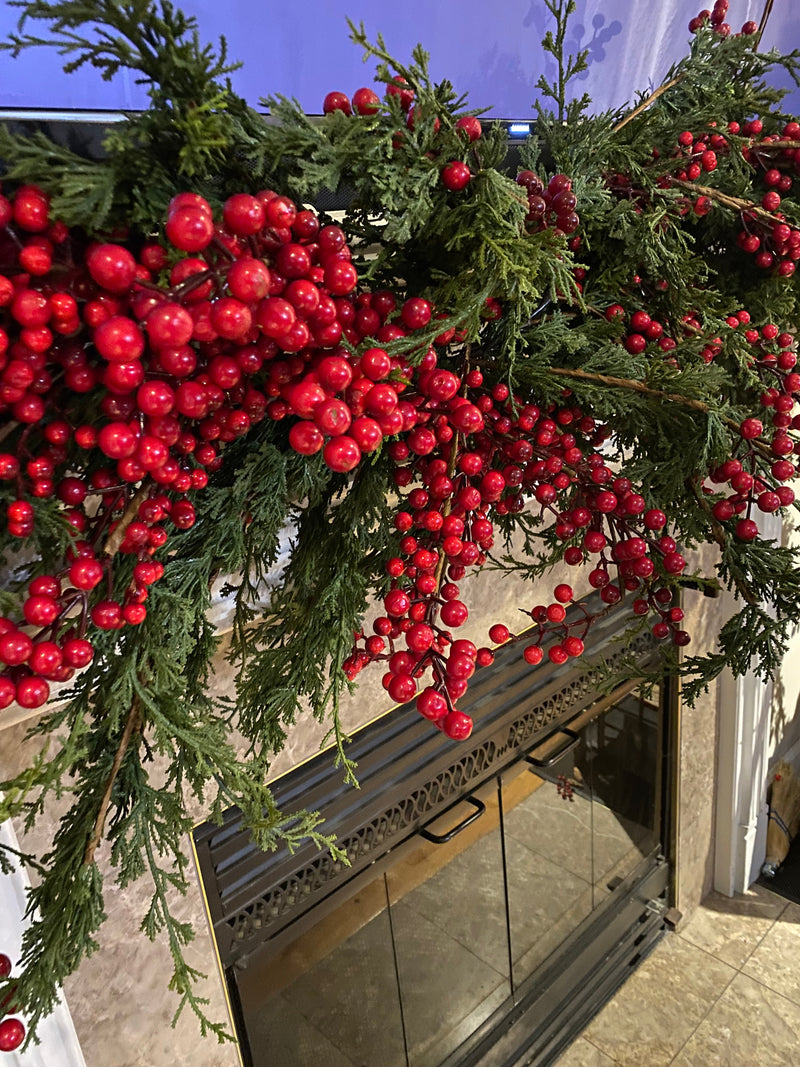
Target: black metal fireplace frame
{"points": [[410, 776]]}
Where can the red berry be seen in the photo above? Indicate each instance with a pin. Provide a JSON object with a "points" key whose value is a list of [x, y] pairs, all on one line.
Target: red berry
{"points": [[335, 101], [416, 313], [112, 267], [456, 176], [454, 613], [341, 453], [107, 615], [471, 126], [499, 633], [340, 277], [32, 692], [745, 530], [573, 646], [12, 1034], [402, 688], [8, 694], [751, 428], [86, 573], [366, 101], [189, 230], [457, 725], [40, 610], [431, 703], [243, 214], [77, 652]]}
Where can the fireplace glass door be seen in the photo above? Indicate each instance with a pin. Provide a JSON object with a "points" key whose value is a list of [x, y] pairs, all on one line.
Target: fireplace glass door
{"points": [[465, 919], [448, 909], [581, 812]]}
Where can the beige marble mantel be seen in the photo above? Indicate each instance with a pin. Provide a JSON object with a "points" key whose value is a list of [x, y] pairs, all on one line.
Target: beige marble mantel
{"points": [[119, 999]]}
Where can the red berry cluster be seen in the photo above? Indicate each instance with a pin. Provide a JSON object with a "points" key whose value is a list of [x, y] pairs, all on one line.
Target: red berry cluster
{"points": [[125, 368], [564, 788], [347, 403], [716, 19], [765, 233], [550, 206], [644, 333], [758, 471], [774, 242], [455, 174], [12, 1031], [474, 455]]}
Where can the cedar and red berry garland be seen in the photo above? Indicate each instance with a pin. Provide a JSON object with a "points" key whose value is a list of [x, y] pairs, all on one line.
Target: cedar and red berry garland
{"points": [[196, 367]]}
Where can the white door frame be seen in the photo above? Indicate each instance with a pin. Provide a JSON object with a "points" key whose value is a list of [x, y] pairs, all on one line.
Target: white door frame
{"points": [[57, 1037], [743, 742]]}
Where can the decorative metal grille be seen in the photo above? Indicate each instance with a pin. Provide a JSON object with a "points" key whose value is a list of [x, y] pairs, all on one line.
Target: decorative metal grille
{"points": [[282, 902]]}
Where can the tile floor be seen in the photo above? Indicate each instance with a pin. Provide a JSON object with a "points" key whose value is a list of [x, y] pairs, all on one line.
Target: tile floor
{"points": [[723, 991]]}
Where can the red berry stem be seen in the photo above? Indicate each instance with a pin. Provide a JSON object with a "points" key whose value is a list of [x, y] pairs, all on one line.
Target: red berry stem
{"points": [[115, 539]]}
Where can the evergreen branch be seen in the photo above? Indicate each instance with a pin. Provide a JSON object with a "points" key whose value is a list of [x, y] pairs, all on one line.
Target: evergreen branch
{"points": [[132, 724], [554, 44], [160, 43]]}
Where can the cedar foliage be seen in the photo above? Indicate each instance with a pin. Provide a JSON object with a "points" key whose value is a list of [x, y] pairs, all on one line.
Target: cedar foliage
{"points": [[670, 423]]}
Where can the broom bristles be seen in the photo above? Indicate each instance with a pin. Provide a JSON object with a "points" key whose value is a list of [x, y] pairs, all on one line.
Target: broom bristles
{"points": [[784, 812]]}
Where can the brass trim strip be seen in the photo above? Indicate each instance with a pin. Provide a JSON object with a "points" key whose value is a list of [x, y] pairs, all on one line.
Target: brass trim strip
{"points": [[220, 968]]}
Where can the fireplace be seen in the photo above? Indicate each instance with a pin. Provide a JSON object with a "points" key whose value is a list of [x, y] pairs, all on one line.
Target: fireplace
{"points": [[498, 891]]}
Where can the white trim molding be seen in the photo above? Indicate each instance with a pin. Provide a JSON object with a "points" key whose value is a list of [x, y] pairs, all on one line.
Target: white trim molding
{"points": [[742, 763], [743, 742], [58, 1043]]}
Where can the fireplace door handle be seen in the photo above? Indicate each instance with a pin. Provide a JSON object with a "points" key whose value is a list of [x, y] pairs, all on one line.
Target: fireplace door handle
{"points": [[441, 839], [572, 740]]}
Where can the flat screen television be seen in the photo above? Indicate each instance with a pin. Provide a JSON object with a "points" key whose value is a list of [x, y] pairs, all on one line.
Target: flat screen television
{"points": [[491, 52]]}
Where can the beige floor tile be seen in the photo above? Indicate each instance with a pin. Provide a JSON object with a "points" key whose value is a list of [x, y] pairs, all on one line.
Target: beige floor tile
{"points": [[583, 1054], [731, 928], [658, 1008], [776, 961], [750, 1026]]}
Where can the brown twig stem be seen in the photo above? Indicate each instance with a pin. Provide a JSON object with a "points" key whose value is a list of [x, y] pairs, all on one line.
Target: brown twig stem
{"points": [[115, 539], [451, 469], [645, 104], [640, 387], [764, 19], [132, 723], [736, 203], [8, 429], [632, 384]]}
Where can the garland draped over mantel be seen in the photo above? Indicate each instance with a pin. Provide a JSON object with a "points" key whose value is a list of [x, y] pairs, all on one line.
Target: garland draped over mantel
{"points": [[586, 360]]}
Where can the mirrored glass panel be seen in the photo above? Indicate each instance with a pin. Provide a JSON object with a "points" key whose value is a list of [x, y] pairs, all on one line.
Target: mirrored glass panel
{"points": [[548, 854], [331, 997], [620, 756], [449, 918]]}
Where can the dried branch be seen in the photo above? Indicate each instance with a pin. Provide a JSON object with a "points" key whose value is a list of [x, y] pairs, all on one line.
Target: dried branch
{"points": [[115, 539], [764, 19], [133, 723], [631, 383], [645, 104]]}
